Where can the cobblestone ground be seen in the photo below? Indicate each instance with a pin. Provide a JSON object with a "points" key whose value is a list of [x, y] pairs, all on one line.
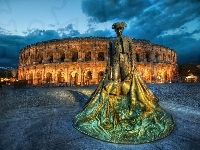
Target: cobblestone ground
{"points": [[41, 118]]}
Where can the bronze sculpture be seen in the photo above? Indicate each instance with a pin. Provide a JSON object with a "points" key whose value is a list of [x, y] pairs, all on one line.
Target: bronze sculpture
{"points": [[120, 52], [123, 109]]}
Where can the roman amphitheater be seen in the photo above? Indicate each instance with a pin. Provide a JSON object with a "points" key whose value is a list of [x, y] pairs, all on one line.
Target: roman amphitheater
{"points": [[82, 61]]}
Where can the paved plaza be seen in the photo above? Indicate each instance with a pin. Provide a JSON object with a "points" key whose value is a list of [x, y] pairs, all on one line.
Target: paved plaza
{"points": [[41, 118]]}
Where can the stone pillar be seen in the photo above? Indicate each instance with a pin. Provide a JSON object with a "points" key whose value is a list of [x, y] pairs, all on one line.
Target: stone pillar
{"points": [[153, 56], [79, 75], [55, 75], [34, 70], [93, 55], [44, 56], [79, 55], [94, 76], [66, 74], [55, 55], [66, 56], [43, 75], [27, 72], [82, 76]]}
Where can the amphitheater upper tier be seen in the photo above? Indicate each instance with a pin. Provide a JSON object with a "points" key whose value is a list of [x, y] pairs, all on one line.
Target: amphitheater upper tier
{"points": [[83, 60]]}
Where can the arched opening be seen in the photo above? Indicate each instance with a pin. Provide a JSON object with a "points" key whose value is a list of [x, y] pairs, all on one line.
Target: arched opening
{"points": [[159, 77], [88, 56], [173, 59], [39, 78], [157, 57], [100, 75], [62, 58], [169, 57], [164, 57], [40, 59], [100, 56], [88, 77], [74, 78], [30, 80], [137, 57], [51, 58], [60, 76], [147, 76], [148, 58], [74, 56], [48, 77]]}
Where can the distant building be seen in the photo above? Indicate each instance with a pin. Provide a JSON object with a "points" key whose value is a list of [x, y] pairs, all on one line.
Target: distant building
{"points": [[8, 74], [83, 61], [191, 78]]}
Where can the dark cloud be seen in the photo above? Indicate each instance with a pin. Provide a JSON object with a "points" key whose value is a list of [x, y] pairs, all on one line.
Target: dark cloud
{"points": [[104, 10], [9, 49], [152, 20], [11, 45], [52, 25], [100, 33], [40, 35], [143, 11], [68, 31], [196, 31], [3, 31], [186, 46]]}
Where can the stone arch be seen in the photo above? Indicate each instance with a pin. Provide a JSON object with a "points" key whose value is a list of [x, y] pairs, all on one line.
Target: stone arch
{"points": [[87, 77], [50, 57], [100, 75], [147, 75], [48, 77], [74, 78], [60, 76], [148, 57], [169, 57], [173, 58], [159, 76], [138, 59], [38, 77], [74, 56], [164, 57], [157, 57], [40, 58], [88, 56], [62, 57], [30, 79], [101, 56], [165, 76]]}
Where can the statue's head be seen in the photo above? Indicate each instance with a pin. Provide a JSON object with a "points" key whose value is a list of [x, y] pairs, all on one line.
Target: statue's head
{"points": [[119, 27]]}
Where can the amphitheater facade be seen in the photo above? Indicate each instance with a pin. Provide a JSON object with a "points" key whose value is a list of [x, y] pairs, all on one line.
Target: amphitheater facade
{"points": [[82, 61]]}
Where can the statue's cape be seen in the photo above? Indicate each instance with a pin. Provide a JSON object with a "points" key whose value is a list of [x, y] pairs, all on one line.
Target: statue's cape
{"points": [[124, 112]]}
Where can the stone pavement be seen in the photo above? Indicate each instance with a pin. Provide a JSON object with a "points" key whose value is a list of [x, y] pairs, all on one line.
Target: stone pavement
{"points": [[41, 118]]}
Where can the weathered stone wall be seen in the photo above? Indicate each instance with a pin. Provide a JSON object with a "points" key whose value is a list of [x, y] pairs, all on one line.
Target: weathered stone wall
{"points": [[83, 61]]}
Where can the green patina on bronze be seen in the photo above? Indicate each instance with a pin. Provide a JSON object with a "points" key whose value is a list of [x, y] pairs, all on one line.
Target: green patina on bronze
{"points": [[123, 109]]}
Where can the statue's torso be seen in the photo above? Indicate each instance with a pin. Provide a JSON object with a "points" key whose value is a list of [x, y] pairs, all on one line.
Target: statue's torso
{"points": [[119, 49], [117, 45]]}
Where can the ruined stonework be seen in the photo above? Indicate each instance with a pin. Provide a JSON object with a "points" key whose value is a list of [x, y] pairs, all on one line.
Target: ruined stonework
{"points": [[82, 61]]}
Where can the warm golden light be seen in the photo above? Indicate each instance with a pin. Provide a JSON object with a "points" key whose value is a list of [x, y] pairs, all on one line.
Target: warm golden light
{"points": [[80, 61]]}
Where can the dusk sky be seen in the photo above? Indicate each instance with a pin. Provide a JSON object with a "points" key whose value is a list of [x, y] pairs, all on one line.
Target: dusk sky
{"points": [[172, 23]]}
